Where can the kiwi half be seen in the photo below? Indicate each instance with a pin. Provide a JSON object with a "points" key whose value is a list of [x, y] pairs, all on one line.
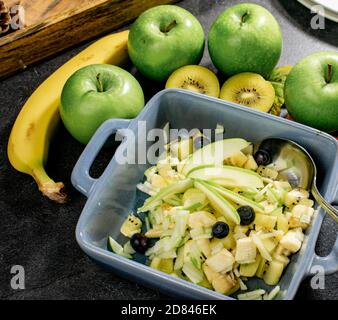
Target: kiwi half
{"points": [[195, 78], [250, 90]]}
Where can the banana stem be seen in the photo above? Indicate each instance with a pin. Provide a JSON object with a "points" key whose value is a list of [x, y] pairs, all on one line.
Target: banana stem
{"points": [[49, 188]]}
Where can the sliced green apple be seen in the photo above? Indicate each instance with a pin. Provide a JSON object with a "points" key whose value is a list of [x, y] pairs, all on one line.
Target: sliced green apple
{"points": [[214, 153], [177, 187], [235, 197], [218, 202], [228, 176]]}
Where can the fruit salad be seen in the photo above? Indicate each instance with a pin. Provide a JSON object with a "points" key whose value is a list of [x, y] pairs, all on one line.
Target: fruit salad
{"points": [[217, 218]]}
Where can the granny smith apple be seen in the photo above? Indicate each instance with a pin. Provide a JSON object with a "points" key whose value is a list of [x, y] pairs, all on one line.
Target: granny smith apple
{"points": [[95, 94], [163, 39], [311, 91], [245, 38]]}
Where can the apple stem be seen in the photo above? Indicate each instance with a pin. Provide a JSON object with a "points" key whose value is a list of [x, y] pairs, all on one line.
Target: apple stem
{"points": [[169, 27], [245, 15], [100, 86], [329, 73]]}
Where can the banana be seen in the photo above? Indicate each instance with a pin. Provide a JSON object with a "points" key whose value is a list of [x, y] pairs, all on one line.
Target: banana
{"points": [[30, 136]]}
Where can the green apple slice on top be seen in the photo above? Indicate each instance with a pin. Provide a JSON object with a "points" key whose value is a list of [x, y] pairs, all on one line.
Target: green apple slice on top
{"points": [[218, 202], [236, 198], [214, 153], [228, 176]]}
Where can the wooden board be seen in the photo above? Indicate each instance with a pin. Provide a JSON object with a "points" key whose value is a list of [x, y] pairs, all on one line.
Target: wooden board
{"points": [[54, 25]]}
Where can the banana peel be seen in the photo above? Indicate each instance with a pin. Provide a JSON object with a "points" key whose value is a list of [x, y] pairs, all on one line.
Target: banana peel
{"points": [[277, 79]]}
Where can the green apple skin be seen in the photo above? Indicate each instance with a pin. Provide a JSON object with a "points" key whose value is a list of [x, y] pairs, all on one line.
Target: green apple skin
{"points": [[86, 102], [157, 52], [309, 97], [245, 38]]}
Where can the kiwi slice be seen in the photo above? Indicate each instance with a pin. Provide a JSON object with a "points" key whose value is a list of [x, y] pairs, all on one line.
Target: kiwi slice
{"points": [[250, 90], [195, 78]]}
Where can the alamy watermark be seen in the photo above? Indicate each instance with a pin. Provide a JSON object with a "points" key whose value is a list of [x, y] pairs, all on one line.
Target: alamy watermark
{"points": [[317, 281], [18, 278], [318, 20], [145, 146]]}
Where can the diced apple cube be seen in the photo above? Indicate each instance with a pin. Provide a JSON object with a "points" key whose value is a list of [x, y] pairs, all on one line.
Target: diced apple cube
{"points": [[266, 221], [209, 273], [221, 262], [273, 273], [223, 283], [281, 258], [293, 239], [245, 251], [250, 269]]}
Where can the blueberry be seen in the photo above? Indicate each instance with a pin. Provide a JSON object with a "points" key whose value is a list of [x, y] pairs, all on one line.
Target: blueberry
{"points": [[200, 142], [139, 242], [247, 215], [220, 230], [262, 157]]}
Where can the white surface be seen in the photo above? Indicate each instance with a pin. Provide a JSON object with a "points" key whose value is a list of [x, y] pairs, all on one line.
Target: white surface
{"points": [[330, 6]]}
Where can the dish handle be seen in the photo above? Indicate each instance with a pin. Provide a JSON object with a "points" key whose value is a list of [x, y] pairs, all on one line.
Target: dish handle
{"points": [[329, 264], [81, 178]]}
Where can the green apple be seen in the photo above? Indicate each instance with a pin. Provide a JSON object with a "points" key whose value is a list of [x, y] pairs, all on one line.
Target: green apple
{"points": [[311, 91], [164, 39], [245, 38], [95, 94]]}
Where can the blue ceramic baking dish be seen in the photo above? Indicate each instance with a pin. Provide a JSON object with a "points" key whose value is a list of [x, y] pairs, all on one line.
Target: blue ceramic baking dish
{"points": [[114, 194]]}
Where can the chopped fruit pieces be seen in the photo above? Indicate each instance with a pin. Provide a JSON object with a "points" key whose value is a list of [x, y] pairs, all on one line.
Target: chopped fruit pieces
{"points": [[223, 283], [273, 272], [245, 251], [221, 262], [293, 239], [267, 172], [251, 164], [131, 225], [237, 160], [218, 217], [266, 221]]}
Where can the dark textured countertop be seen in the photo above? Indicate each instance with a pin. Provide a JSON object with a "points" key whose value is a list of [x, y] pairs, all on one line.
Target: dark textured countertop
{"points": [[39, 235]]}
